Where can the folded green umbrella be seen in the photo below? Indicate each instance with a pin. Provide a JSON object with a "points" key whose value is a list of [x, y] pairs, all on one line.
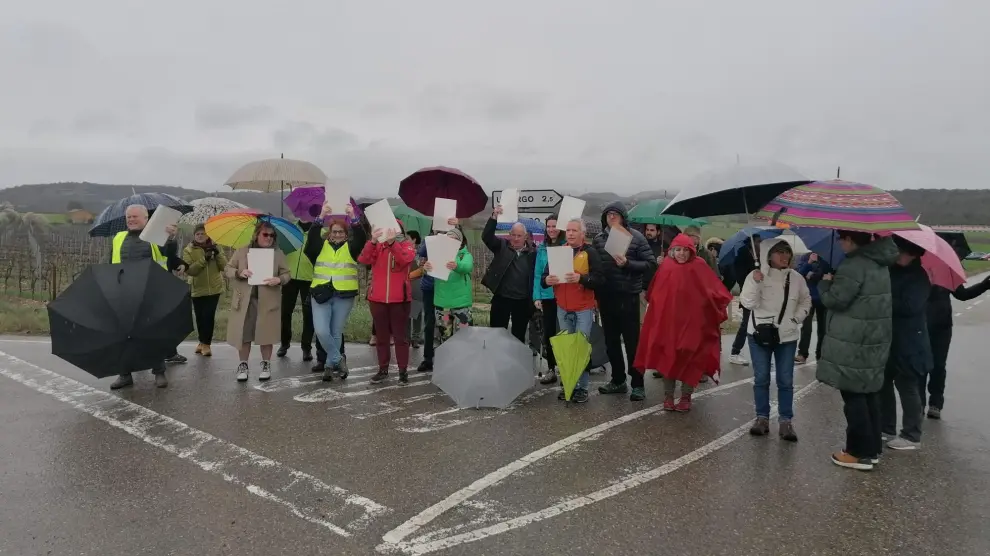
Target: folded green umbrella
{"points": [[573, 353], [648, 212]]}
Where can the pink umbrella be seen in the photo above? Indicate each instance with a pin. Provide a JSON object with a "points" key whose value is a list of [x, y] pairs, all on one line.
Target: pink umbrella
{"points": [[940, 259]]}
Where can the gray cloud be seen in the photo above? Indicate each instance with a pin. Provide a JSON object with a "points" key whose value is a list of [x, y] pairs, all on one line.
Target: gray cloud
{"points": [[226, 116]]}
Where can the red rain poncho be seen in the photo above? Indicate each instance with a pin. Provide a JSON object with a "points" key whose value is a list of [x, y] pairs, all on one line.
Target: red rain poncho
{"points": [[687, 303]]}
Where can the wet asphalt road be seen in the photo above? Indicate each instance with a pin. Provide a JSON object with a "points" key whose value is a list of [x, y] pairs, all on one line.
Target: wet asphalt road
{"points": [[213, 467]]}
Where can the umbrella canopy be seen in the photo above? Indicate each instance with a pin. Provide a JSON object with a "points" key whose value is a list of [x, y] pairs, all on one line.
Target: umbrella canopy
{"points": [[532, 226], [275, 174], [118, 318], [483, 367], [737, 189], [208, 207], [113, 218], [236, 227], [822, 241], [940, 260], [649, 212], [958, 242], [413, 220], [306, 203], [420, 190], [573, 353], [840, 205]]}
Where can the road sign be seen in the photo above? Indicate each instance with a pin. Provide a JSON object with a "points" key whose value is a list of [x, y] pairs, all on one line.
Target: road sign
{"points": [[533, 199]]}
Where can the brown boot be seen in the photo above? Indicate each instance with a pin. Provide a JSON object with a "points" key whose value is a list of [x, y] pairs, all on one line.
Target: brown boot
{"points": [[207, 350], [761, 427], [199, 349]]}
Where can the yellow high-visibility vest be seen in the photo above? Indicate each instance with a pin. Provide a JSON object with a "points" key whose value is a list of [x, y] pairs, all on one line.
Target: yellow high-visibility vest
{"points": [[156, 253], [337, 266]]}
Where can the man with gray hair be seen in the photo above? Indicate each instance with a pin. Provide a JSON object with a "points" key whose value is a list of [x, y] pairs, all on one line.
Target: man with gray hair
{"points": [[510, 276], [128, 246]]}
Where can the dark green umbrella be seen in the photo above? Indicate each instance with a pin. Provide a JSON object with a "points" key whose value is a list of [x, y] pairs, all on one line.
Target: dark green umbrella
{"points": [[413, 220], [648, 212]]}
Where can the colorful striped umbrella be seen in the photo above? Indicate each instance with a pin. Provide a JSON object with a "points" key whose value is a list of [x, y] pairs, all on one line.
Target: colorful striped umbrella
{"points": [[840, 205], [236, 227]]}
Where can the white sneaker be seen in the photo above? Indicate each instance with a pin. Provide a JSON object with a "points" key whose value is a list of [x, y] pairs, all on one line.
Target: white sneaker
{"points": [[738, 359], [242, 372], [266, 371], [903, 444]]}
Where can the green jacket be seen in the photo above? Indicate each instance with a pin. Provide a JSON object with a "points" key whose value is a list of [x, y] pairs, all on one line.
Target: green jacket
{"points": [[457, 291], [300, 267], [858, 328], [205, 277]]}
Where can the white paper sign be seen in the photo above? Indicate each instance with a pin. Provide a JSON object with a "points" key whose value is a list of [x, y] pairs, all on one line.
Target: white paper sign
{"points": [[154, 231], [443, 210], [560, 260], [440, 250], [380, 215], [618, 242], [338, 196], [261, 263], [570, 207], [510, 206]]}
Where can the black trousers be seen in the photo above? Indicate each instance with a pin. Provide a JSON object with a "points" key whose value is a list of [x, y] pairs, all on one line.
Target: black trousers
{"points": [[620, 322], [907, 383], [297, 289], [205, 309], [429, 324], [940, 339], [818, 312], [740, 340], [863, 434], [519, 310], [549, 329]]}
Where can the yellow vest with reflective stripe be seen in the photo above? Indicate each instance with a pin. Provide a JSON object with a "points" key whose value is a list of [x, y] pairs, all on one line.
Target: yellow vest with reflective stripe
{"points": [[336, 266], [118, 242]]}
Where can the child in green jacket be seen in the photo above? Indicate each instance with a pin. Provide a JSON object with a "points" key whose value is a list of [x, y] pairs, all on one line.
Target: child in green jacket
{"points": [[455, 295]]}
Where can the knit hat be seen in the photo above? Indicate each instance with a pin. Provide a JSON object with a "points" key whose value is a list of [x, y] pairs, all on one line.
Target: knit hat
{"points": [[456, 234]]}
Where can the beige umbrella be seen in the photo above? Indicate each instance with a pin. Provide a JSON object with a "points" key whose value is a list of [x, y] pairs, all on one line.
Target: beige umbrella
{"points": [[275, 174]]}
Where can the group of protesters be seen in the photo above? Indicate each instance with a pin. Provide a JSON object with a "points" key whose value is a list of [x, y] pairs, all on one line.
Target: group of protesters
{"points": [[660, 306]]}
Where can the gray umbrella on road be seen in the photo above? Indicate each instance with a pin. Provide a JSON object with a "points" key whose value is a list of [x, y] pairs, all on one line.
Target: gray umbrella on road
{"points": [[483, 367]]}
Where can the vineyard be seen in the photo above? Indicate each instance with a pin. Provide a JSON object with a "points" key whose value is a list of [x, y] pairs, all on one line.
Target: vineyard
{"points": [[64, 252]]}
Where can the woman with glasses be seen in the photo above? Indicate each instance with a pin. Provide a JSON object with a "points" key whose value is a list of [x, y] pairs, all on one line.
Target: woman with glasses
{"points": [[335, 283], [255, 310]]}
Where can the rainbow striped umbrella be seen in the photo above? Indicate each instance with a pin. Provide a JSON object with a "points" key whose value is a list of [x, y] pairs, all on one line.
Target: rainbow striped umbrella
{"points": [[235, 228], [840, 205]]}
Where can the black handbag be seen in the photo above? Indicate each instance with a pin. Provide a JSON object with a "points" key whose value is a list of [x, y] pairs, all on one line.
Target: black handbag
{"points": [[322, 293], [768, 334]]}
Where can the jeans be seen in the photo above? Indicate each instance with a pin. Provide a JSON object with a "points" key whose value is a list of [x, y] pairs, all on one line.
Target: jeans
{"points": [[579, 321], [740, 340], [290, 291], [783, 356], [940, 339], [818, 311], [328, 322], [907, 383], [863, 438], [620, 322], [205, 308], [519, 310]]}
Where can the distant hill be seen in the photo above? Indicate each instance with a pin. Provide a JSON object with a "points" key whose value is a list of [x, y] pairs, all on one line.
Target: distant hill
{"points": [[936, 206]]}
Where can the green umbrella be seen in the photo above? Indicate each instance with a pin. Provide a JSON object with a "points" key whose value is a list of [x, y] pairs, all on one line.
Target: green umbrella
{"points": [[413, 220], [648, 212], [573, 354]]}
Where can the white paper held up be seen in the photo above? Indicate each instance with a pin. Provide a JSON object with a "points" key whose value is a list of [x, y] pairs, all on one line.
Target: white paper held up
{"points": [[570, 207], [338, 196], [560, 261], [618, 242], [510, 205], [440, 250], [380, 215], [154, 231], [261, 263], [443, 209]]}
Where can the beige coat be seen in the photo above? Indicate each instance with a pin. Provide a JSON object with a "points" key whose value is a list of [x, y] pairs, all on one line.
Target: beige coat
{"points": [[268, 329]]}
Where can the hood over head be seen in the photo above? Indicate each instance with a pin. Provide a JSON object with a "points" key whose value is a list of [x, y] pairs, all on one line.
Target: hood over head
{"points": [[766, 246], [682, 240], [618, 207]]}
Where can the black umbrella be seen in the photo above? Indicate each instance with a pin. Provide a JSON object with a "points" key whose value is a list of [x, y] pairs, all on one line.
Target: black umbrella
{"points": [[739, 189], [118, 318], [958, 242]]}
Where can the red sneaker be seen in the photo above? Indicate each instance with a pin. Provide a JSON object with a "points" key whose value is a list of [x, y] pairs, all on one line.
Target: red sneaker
{"points": [[668, 404], [684, 405]]}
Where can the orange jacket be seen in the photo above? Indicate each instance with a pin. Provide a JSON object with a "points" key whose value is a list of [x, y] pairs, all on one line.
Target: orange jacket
{"points": [[579, 296]]}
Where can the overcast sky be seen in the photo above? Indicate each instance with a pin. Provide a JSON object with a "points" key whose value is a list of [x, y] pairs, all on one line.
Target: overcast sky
{"points": [[585, 95]]}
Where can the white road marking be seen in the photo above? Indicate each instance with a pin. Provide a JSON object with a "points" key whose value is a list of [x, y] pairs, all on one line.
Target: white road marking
{"points": [[393, 540], [977, 302], [329, 394], [301, 494], [969, 308], [311, 379], [397, 535]]}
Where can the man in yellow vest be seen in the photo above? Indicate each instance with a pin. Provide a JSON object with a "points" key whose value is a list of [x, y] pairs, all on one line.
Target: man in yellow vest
{"points": [[128, 246]]}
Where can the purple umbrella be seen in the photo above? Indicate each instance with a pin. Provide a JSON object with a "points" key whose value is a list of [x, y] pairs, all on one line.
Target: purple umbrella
{"points": [[305, 203], [420, 191]]}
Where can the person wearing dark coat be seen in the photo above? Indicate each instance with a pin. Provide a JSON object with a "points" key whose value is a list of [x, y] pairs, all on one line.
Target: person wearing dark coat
{"points": [[618, 300], [510, 276], [940, 335], [744, 263], [910, 350]]}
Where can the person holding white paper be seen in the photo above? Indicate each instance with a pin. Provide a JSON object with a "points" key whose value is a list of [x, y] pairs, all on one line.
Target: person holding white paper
{"points": [[455, 295], [255, 310], [444, 210], [510, 206], [575, 295], [510, 276]]}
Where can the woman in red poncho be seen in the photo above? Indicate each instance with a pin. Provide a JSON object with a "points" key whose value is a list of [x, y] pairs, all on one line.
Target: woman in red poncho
{"points": [[681, 337]]}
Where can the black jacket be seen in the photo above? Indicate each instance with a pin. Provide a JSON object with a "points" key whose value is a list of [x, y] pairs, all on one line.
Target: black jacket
{"points": [[504, 256], [940, 306], [910, 349], [640, 261]]}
